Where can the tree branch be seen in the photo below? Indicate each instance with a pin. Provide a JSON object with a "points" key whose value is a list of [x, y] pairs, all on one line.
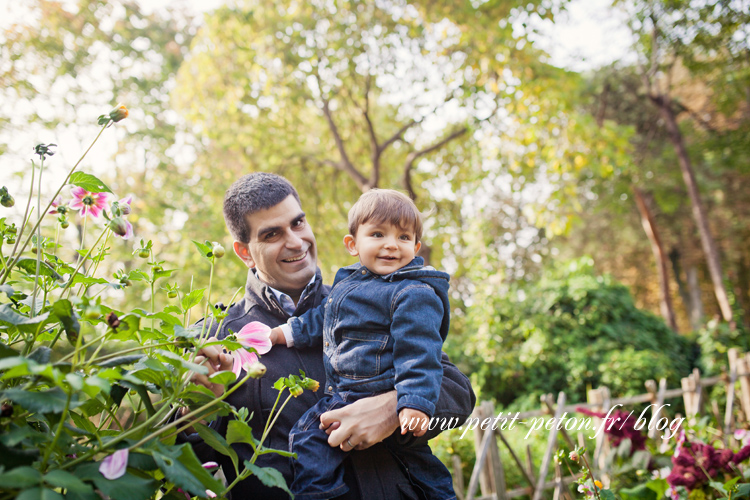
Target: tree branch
{"points": [[414, 155], [345, 164]]}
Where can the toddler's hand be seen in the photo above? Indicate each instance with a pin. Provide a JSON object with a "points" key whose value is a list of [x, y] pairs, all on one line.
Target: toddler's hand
{"points": [[277, 336], [414, 421]]}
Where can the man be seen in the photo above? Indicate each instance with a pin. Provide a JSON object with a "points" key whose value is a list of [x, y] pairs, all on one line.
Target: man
{"points": [[263, 212]]}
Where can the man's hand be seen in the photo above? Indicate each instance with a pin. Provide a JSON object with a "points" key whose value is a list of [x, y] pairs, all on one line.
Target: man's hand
{"points": [[216, 360], [362, 423], [413, 421]]}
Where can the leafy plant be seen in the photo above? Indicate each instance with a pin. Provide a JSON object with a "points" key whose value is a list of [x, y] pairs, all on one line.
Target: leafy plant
{"points": [[90, 394]]}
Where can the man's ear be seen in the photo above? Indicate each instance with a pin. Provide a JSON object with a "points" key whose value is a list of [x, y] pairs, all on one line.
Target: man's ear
{"points": [[243, 252], [417, 247], [349, 244]]}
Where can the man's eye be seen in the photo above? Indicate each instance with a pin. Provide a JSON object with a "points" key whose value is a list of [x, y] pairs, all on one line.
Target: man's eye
{"points": [[270, 235], [299, 223]]}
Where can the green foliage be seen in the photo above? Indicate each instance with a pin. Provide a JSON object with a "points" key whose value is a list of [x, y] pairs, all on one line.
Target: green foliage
{"points": [[570, 332], [71, 412]]}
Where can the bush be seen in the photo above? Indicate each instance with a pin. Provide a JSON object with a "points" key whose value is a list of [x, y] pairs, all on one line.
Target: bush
{"points": [[571, 331]]}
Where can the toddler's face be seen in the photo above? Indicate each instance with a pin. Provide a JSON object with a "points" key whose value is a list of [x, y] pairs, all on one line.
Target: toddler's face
{"points": [[382, 247]]}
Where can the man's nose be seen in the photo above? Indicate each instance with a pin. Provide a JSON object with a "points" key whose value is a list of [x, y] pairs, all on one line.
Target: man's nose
{"points": [[293, 240]]}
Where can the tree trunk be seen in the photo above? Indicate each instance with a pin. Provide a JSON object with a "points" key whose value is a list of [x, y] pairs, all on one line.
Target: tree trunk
{"points": [[696, 302], [649, 225], [664, 104], [694, 310]]}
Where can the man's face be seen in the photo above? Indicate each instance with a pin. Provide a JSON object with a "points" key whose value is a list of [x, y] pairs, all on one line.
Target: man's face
{"points": [[281, 248]]}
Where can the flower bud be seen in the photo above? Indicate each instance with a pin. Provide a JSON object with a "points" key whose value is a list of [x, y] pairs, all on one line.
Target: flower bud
{"points": [[143, 253], [7, 200], [574, 456], [296, 390], [255, 370], [218, 251], [119, 113], [12, 229], [125, 209], [11, 240], [118, 226], [310, 384], [64, 224], [158, 268], [172, 294]]}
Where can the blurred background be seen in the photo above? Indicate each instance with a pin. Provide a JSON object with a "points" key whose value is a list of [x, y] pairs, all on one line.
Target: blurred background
{"points": [[584, 166]]}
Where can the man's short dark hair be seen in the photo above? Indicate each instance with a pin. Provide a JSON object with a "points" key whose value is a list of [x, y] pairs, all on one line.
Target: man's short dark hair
{"points": [[250, 194]]}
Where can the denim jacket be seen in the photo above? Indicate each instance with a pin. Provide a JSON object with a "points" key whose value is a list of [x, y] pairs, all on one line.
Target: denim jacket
{"points": [[380, 332]]}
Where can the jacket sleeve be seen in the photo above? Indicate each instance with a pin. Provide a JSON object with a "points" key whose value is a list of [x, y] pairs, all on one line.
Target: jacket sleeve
{"points": [[416, 315], [307, 329]]}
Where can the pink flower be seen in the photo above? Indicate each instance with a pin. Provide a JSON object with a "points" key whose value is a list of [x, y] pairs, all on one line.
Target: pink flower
{"points": [[210, 494], [253, 335], [87, 202], [119, 224], [114, 466], [58, 207]]}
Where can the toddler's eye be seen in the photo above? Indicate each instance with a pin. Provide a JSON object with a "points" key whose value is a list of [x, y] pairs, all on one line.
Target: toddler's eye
{"points": [[377, 234]]}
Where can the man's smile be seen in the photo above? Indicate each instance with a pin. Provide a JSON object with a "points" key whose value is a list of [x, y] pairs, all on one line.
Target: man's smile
{"points": [[297, 258]]}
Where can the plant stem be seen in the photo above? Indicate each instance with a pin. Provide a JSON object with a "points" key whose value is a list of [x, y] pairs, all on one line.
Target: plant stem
{"points": [[80, 263], [39, 247], [58, 432], [24, 221], [269, 427], [591, 476], [41, 215], [133, 349]]}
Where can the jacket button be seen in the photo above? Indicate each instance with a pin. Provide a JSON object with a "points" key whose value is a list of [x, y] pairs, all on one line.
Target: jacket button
{"points": [[330, 300], [364, 272], [327, 344], [330, 388]]}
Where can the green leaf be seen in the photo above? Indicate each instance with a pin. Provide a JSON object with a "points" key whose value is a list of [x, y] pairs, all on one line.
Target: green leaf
{"points": [[743, 490], [121, 360], [274, 479], [205, 250], [13, 457], [28, 265], [717, 486], [240, 432], [7, 290], [50, 401], [20, 477], [193, 298], [7, 352], [224, 378], [9, 316], [640, 492], [177, 360], [217, 442], [180, 466], [88, 280], [607, 495], [64, 479], [172, 309], [659, 486], [63, 311], [127, 487], [41, 354], [89, 183], [39, 494]]}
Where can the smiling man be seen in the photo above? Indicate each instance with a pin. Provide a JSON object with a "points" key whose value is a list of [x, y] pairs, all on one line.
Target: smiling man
{"points": [[272, 237]]}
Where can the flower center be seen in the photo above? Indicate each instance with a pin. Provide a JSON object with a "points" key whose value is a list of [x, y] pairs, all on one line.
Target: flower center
{"points": [[87, 200]]}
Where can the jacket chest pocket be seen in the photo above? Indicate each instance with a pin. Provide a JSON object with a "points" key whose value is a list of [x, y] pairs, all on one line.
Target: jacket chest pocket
{"points": [[359, 355]]}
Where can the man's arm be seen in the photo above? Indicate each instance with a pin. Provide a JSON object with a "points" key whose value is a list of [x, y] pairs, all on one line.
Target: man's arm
{"points": [[371, 420]]}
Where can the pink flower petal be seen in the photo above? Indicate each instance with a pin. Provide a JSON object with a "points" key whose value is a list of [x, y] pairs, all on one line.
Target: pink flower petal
{"points": [[210, 494], [129, 231], [210, 465], [78, 192], [255, 335], [114, 466], [241, 357]]}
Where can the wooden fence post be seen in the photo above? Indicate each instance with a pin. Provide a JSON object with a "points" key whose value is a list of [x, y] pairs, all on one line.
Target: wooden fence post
{"points": [[458, 477], [743, 367], [492, 475], [551, 444]]}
